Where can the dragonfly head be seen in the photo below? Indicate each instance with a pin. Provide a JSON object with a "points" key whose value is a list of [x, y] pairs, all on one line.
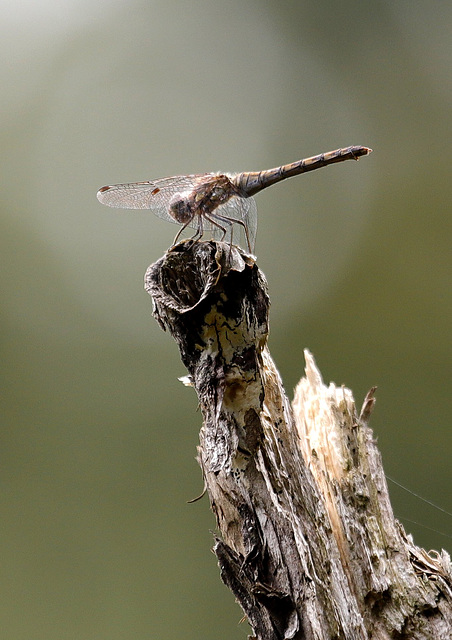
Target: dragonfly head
{"points": [[181, 208]]}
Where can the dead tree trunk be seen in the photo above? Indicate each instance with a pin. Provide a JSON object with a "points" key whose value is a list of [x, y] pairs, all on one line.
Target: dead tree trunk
{"points": [[307, 539]]}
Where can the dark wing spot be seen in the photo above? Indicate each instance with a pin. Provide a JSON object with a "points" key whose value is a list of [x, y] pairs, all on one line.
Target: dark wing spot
{"points": [[102, 189], [154, 191]]}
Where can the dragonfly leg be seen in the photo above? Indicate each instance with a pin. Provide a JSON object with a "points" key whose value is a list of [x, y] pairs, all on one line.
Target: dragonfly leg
{"points": [[200, 230], [213, 221], [179, 232], [229, 221], [198, 233], [232, 221]]}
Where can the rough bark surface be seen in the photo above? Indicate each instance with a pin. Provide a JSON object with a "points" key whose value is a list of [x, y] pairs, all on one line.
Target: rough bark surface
{"points": [[307, 539]]}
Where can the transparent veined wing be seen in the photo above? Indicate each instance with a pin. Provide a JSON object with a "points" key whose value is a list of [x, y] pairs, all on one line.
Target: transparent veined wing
{"points": [[153, 194]]}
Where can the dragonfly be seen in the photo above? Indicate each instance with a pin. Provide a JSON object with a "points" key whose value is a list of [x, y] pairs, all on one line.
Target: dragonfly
{"points": [[215, 202]]}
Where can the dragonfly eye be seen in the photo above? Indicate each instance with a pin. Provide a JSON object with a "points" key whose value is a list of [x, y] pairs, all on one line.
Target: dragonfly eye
{"points": [[181, 208]]}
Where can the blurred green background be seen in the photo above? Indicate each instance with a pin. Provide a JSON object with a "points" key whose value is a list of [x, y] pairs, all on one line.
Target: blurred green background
{"points": [[98, 436]]}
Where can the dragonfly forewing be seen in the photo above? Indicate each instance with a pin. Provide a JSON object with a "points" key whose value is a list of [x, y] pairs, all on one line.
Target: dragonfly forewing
{"points": [[154, 194]]}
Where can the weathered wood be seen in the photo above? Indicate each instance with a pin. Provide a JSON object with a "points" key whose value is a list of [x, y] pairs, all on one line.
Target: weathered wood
{"points": [[307, 539]]}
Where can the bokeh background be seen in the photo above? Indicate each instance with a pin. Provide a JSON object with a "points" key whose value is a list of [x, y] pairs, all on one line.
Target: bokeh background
{"points": [[98, 436]]}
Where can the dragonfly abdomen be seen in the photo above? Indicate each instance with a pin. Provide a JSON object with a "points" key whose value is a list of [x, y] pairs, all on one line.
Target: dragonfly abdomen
{"points": [[253, 182]]}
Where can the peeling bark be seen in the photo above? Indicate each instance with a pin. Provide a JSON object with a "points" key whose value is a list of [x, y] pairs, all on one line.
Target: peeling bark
{"points": [[307, 539]]}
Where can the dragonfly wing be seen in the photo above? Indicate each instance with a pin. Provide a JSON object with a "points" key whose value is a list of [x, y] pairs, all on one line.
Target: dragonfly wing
{"points": [[154, 194]]}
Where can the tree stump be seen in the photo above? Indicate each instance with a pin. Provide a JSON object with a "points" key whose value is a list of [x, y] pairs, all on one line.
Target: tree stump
{"points": [[307, 539]]}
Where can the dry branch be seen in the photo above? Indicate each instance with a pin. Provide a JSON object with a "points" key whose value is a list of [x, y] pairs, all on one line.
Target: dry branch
{"points": [[307, 539]]}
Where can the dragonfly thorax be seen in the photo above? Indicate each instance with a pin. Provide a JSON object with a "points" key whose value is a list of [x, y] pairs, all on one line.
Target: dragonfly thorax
{"points": [[202, 200]]}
